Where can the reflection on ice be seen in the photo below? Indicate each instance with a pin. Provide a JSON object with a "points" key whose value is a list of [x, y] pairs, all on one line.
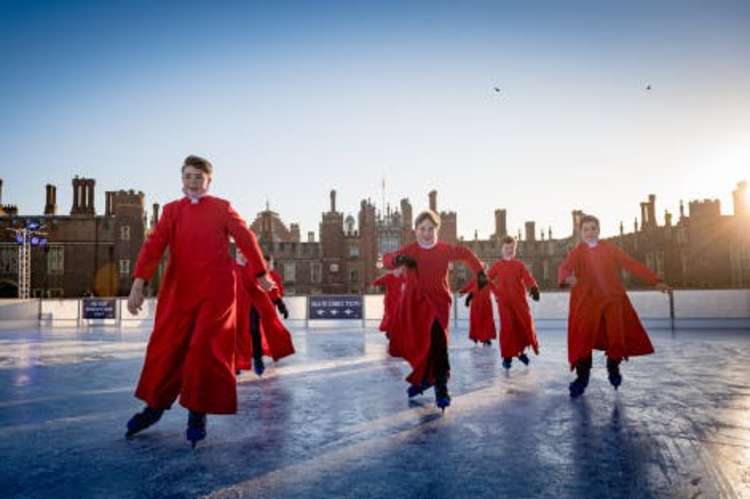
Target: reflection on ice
{"points": [[334, 421]]}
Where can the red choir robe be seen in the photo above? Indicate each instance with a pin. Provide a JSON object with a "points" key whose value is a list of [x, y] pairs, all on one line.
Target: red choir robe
{"points": [[481, 321], [275, 338], [601, 316], [510, 281], [426, 299], [393, 285], [277, 292], [190, 353]]}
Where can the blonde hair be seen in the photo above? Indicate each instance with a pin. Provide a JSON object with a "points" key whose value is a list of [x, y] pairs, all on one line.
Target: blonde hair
{"points": [[427, 215]]}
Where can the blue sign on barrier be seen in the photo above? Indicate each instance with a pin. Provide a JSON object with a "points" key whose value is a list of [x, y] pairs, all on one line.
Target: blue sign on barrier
{"points": [[336, 307], [99, 308]]}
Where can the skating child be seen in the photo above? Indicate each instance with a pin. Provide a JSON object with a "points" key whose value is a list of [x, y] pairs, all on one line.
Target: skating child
{"points": [[601, 316], [481, 322], [422, 325], [190, 353], [259, 329], [511, 281], [393, 283]]}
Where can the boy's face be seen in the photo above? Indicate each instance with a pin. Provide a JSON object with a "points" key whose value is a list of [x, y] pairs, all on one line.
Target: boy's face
{"points": [[194, 180], [590, 232], [509, 250], [426, 232]]}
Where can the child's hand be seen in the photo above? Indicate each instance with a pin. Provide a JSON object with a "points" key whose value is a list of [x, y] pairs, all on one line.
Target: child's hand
{"points": [[406, 261], [534, 292], [571, 280], [482, 280], [135, 299], [469, 297], [281, 306]]}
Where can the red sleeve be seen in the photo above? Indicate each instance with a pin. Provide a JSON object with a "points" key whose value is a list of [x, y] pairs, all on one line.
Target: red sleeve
{"points": [[279, 283], [526, 277], [567, 267], [635, 267], [380, 281], [467, 256], [246, 241], [154, 246]]}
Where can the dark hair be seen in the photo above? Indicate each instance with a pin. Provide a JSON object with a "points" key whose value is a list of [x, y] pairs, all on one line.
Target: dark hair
{"points": [[201, 164], [588, 218], [428, 215], [508, 240]]}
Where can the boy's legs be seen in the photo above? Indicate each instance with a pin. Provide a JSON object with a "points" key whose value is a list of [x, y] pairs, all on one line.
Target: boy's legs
{"points": [[161, 377], [256, 340], [614, 320], [209, 383], [583, 374], [440, 364]]}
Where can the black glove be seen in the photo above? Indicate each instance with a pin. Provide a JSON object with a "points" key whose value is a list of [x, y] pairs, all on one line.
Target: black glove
{"points": [[482, 280], [534, 292], [469, 297], [406, 261], [282, 308]]}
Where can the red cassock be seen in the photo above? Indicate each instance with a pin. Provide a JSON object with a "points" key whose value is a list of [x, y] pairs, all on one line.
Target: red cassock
{"points": [[510, 280], [393, 286], [426, 299], [275, 338], [191, 350], [601, 316], [481, 321]]}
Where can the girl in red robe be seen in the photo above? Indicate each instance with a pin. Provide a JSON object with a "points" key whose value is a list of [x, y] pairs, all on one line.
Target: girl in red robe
{"points": [[259, 330], [422, 321], [601, 316], [511, 281], [190, 353], [481, 321]]}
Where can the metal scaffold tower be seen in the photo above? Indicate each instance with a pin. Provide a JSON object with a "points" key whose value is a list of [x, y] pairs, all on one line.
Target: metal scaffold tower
{"points": [[27, 237]]}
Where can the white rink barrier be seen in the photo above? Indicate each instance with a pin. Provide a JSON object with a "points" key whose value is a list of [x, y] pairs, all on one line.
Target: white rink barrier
{"points": [[691, 308]]}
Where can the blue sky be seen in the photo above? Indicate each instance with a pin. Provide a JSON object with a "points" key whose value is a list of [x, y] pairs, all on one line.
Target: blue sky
{"points": [[291, 99]]}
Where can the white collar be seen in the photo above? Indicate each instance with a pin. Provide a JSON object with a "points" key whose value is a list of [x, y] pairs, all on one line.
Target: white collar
{"points": [[592, 245], [194, 198], [427, 246]]}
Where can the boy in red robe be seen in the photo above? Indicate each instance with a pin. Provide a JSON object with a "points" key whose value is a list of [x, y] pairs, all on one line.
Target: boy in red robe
{"points": [[190, 353], [259, 329], [481, 321], [393, 283], [601, 316], [422, 323], [511, 281]]}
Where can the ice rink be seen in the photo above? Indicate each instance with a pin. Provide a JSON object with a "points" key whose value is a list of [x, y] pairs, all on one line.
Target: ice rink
{"points": [[334, 421]]}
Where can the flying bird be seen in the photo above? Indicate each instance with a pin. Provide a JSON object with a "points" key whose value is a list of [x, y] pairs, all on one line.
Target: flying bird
{"points": [[648, 87]]}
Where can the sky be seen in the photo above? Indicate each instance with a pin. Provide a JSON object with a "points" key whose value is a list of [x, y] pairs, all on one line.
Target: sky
{"points": [[292, 99]]}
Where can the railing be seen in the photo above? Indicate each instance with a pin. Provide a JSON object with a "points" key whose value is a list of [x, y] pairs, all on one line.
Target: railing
{"points": [[682, 308]]}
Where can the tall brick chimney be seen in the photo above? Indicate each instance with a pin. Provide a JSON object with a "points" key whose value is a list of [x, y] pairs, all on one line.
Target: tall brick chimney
{"points": [[50, 204]]}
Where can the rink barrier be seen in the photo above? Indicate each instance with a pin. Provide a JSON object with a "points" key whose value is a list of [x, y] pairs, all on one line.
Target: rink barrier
{"points": [[722, 308]]}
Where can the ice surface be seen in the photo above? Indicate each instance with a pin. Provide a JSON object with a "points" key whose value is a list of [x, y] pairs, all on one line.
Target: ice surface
{"points": [[334, 421]]}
